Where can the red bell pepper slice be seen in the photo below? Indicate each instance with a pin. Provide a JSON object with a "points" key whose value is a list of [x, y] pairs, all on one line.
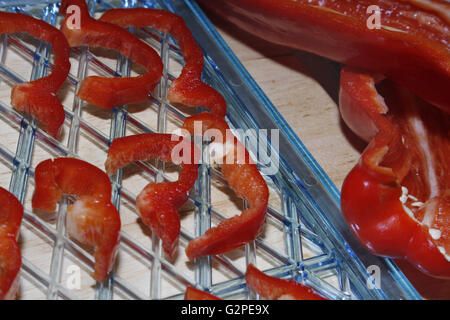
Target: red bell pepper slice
{"points": [[188, 88], [60, 176], [92, 219], [277, 289], [38, 97], [158, 203], [244, 178], [10, 256], [111, 92], [412, 45], [196, 294], [396, 200]]}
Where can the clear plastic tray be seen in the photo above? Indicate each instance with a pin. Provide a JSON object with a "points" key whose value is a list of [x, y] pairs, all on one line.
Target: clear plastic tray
{"points": [[305, 237]]}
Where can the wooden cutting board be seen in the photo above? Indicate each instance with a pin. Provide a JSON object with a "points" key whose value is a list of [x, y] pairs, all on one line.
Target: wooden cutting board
{"points": [[305, 88]]}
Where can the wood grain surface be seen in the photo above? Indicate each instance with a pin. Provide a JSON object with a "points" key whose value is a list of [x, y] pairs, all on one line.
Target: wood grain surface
{"points": [[304, 88]]}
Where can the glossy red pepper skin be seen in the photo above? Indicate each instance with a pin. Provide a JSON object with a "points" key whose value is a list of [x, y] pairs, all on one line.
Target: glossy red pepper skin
{"points": [[38, 97], [10, 256], [60, 176], [244, 178], [196, 294], [92, 219], [412, 47], [104, 92], [381, 224], [277, 289], [158, 203], [409, 148], [188, 88]]}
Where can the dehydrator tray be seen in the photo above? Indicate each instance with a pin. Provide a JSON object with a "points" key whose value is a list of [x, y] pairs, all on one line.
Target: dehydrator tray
{"points": [[304, 238]]}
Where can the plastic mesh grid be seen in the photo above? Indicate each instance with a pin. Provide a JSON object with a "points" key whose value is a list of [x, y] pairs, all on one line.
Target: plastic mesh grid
{"points": [[288, 246]]}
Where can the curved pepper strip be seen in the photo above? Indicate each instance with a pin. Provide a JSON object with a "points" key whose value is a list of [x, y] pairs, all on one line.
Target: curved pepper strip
{"points": [[195, 294], [158, 203], [396, 200], [188, 88], [38, 97], [412, 45], [92, 219], [10, 256], [277, 289], [246, 181], [111, 92]]}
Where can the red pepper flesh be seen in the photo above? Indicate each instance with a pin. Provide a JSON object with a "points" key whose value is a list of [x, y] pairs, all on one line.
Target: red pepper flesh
{"points": [[38, 97], [195, 294], [111, 92], [277, 289], [158, 203], [244, 178], [412, 45], [397, 198], [92, 219], [60, 176], [10, 256], [188, 88]]}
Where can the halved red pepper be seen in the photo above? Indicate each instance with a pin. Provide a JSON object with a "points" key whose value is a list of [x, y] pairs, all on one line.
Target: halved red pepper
{"points": [[38, 97], [92, 219], [111, 92], [412, 45], [10, 255], [244, 178], [158, 203], [397, 198], [409, 144], [277, 289], [188, 88], [196, 294]]}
